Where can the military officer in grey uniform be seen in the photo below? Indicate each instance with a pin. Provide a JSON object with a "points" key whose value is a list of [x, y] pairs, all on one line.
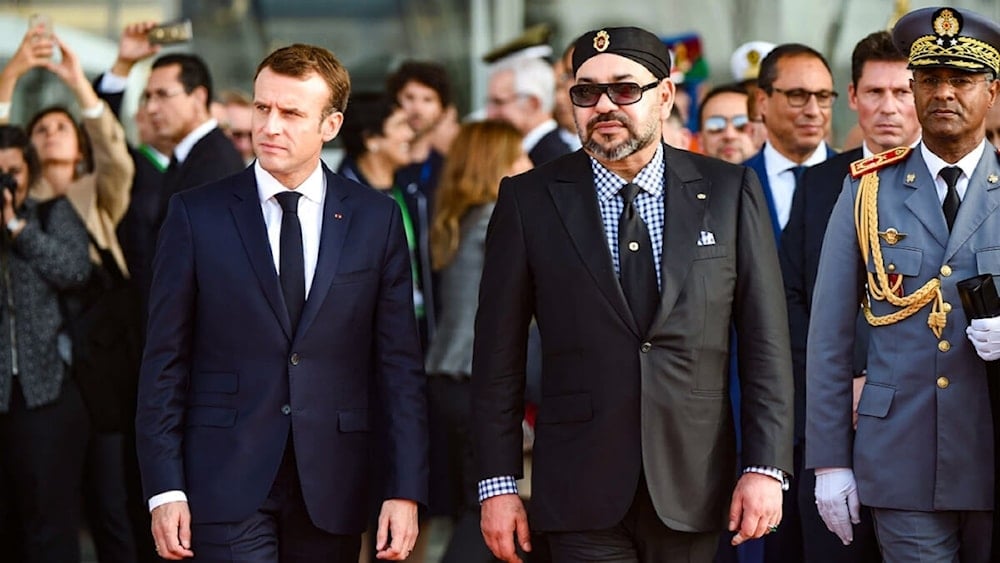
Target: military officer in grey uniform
{"points": [[909, 224]]}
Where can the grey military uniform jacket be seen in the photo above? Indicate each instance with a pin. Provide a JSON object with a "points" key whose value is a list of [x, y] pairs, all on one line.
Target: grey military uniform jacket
{"points": [[924, 436]]}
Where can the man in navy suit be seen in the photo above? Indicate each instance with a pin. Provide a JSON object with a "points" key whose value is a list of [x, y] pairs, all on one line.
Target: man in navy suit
{"points": [[880, 93], [282, 348]]}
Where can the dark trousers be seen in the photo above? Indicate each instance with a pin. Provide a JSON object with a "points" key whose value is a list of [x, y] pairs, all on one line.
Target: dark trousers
{"points": [[279, 531], [450, 405], [41, 467], [105, 499], [641, 537]]}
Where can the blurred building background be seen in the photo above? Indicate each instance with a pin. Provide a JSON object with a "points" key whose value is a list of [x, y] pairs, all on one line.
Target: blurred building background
{"points": [[372, 36]]}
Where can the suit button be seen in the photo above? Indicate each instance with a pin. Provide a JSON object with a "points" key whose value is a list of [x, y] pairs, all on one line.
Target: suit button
{"points": [[891, 267], [646, 347], [944, 345], [946, 307], [294, 359], [942, 382], [285, 409], [946, 270]]}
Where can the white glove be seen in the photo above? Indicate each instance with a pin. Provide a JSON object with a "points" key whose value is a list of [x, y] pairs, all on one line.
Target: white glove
{"points": [[837, 501], [985, 336]]}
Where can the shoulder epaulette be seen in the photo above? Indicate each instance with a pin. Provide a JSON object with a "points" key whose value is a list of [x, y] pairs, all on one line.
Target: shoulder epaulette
{"points": [[877, 161]]}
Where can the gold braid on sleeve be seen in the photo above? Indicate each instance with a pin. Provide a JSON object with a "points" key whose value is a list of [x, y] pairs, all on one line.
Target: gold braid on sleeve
{"points": [[879, 286]]}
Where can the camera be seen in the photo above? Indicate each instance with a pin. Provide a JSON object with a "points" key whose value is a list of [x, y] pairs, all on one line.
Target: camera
{"points": [[8, 183]]}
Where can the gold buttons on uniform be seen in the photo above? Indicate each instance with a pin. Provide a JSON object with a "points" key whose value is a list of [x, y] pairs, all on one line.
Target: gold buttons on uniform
{"points": [[946, 307], [944, 345], [942, 382], [891, 267], [946, 270]]}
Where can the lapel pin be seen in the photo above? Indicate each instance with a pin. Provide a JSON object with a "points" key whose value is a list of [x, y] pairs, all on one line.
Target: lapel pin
{"points": [[993, 178], [891, 235], [911, 177], [701, 196], [338, 216]]}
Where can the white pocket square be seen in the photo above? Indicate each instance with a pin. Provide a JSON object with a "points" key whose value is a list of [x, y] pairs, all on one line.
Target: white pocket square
{"points": [[706, 238]]}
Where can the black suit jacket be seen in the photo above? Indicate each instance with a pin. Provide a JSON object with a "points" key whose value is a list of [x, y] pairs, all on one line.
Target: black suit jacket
{"points": [[548, 148], [799, 251], [226, 380], [211, 158], [616, 401]]}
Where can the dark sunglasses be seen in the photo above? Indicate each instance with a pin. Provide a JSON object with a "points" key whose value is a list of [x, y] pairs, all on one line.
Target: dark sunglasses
{"points": [[620, 93], [717, 123]]}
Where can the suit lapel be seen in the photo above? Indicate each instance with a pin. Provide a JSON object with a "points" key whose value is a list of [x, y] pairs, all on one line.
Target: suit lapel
{"points": [[335, 224], [981, 200], [576, 201], [683, 219], [924, 202], [250, 224]]}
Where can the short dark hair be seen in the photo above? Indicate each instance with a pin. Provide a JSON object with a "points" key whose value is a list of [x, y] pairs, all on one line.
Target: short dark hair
{"points": [[13, 137], [877, 46], [82, 138], [431, 75], [299, 60], [769, 66], [194, 72], [731, 88], [366, 118]]}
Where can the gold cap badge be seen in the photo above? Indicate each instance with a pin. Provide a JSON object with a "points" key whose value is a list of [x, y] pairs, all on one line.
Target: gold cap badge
{"points": [[602, 41]]}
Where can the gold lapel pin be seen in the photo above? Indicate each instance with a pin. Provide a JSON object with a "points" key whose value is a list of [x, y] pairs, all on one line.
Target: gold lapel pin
{"points": [[911, 177], [993, 178], [338, 216], [891, 235], [701, 196]]}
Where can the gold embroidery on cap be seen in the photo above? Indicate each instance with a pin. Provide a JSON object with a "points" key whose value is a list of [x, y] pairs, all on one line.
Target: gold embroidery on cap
{"points": [[602, 41]]}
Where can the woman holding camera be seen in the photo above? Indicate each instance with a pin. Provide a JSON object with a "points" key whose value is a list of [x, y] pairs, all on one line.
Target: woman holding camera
{"points": [[43, 423], [90, 166]]}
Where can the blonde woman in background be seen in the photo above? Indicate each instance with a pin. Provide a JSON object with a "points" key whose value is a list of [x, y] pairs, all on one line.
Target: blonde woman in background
{"points": [[481, 155]]}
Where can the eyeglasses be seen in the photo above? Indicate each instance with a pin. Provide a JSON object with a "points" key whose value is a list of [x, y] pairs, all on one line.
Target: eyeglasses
{"points": [[717, 123], [620, 93], [159, 95], [959, 83], [798, 97], [238, 134]]}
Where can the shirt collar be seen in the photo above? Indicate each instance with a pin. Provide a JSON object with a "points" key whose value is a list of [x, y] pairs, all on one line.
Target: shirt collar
{"points": [[650, 178], [183, 148], [311, 188], [775, 162], [536, 134], [967, 163]]}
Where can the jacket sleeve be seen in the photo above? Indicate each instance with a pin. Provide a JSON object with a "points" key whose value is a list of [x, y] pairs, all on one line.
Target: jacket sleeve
{"points": [[57, 251], [112, 163]]}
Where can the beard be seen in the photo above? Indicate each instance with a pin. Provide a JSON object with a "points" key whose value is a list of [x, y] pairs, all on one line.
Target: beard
{"points": [[636, 140]]}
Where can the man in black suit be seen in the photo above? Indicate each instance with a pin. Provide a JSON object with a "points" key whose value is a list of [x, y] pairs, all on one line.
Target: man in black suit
{"points": [[177, 99], [634, 456], [521, 91], [880, 93]]}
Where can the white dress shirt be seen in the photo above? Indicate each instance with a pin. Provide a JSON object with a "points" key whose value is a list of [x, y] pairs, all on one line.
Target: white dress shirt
{"points": [[967, 163]]}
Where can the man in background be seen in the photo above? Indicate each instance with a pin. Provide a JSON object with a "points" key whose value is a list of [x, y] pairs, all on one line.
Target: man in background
{"points": [[725, 126]]}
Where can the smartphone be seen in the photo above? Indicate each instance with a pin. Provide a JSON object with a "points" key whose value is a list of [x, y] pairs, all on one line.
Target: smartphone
{"points": [[171, 33], [36, 20]]}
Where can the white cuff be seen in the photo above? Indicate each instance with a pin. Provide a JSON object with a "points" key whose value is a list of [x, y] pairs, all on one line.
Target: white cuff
{"points": [[164, 498], [94, 112], [4, 110], [112, 83]]}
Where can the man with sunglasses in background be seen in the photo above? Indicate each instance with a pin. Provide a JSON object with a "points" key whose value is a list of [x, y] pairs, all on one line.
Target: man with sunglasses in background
{"points": [[725, 126], [637, 260], [908, 226], [880, 93]]}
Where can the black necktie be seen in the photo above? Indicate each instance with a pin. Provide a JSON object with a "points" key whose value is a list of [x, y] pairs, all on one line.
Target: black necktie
{"points": [[950, 175], [291, 264], [797, 171], [635, 253]]}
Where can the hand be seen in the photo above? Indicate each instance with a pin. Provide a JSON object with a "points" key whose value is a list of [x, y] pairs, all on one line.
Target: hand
{"points": [[756, 507], [68, 69], [35, 50], [133, 46], [859, 386], [398, 518], [985, 337], [172, 530], [502, 517], [837, 501]]}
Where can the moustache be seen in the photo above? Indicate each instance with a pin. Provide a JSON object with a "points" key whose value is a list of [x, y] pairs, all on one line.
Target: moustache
{"points": [[611, 116]]}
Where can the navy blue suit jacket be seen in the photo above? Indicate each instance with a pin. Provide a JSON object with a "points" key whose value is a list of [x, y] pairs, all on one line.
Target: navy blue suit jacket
{"points": [[226, 380], [756, 163]]}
